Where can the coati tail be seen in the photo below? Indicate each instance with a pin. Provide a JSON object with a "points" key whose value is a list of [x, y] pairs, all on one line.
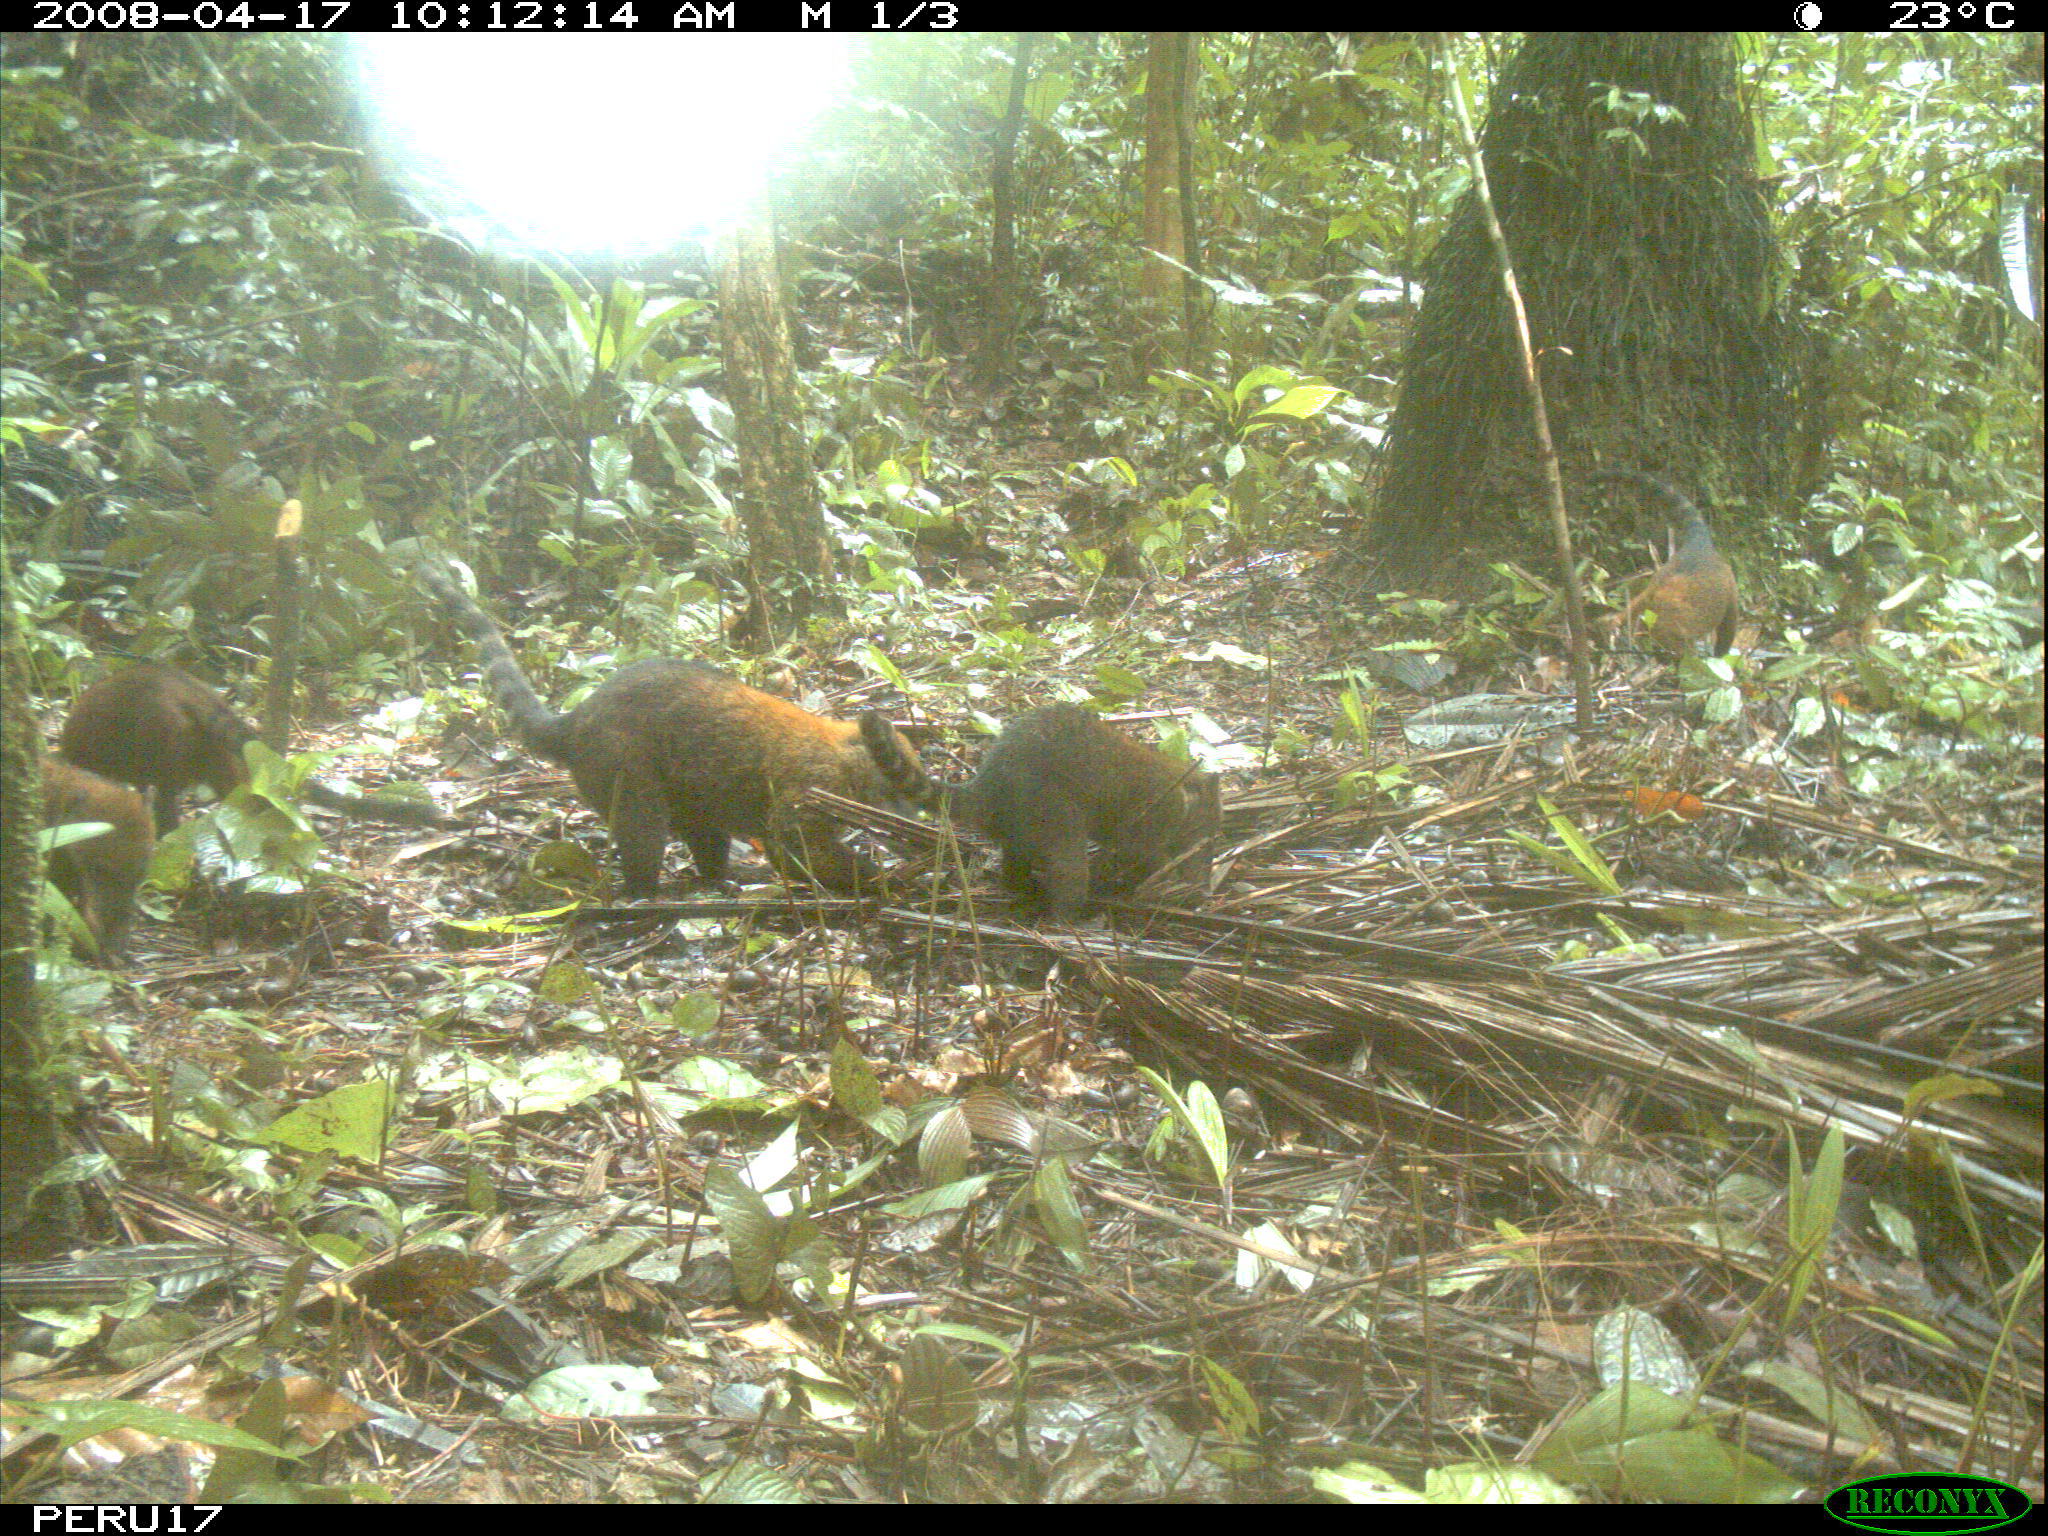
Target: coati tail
{"points": [[504, 679], [1683, 510], [903, 773]]}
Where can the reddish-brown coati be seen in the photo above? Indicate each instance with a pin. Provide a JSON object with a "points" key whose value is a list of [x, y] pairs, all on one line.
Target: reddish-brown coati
{"points": [[98, 875], [1691, 595], [671, 748]]}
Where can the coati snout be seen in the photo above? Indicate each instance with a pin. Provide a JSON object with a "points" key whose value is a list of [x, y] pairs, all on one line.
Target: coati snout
{"points": [[1056, 780], [673, 748]]}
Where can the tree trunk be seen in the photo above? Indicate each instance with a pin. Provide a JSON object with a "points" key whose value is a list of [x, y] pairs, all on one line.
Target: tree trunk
{"points": [[999, 334], [790, 576], [1623, 168], [1160, 280], [33, 1223]]}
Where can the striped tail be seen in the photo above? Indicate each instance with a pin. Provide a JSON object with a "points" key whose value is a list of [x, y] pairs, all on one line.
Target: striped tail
{"points": [[902, 772], [504, 679]]}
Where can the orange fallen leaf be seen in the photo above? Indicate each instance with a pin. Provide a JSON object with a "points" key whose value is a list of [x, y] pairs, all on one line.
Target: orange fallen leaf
{"points": [[1659, 802]]}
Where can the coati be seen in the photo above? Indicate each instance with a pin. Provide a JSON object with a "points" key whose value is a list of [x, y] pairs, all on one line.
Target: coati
{"points": [[1057, 779], [99, 874], [670, 748], [151, 724], [1691, 595]]}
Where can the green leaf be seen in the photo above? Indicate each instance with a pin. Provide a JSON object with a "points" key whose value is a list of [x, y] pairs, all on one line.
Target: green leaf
{"points": [[1594, 869], [750, 1229], [70, 1422], [968, 1334], [696, 1013], [943, 1146], [53, 838], [1116, 684], [1808, 716], [953, 1196], [1052, 1195], [749, 1482], [566, 982], [1299, 403], [1833, 1407], [1205, 1122], [1201, 1118], [1907, 593], [1265, 376], [1944, 1086], [855, 1088], [1234, 1405], [719, 1084], [888, 669], [1812, 1201], [587, 1392], [2015, 218], [354, 1121]]}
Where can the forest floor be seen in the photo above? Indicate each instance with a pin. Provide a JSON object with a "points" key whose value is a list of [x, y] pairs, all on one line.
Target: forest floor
{"points": [[1486, 1043]]}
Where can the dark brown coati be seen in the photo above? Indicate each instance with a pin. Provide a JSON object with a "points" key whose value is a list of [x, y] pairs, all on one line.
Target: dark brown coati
{"points": [[153, 725], [1057, 779], [98, 875], [1691, 595], [671, 748]]}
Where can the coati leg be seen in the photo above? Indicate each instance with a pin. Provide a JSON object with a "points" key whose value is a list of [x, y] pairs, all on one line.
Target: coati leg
{"points": [[639, 821], [710, 848], [1144, 841], [101, 891], [802, 844], [1054, 854], [1014, 871], [105, 899], [1065, 886]]}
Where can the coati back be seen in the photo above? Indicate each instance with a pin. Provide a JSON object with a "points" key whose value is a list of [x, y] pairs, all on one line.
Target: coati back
{"points": [[1057, 779], [154, 725], [98, 875], [676, 748], [1691, 595]]}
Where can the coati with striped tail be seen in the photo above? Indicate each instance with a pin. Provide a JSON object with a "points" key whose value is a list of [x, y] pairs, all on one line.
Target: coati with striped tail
{"points": [[1692, 594], [98, 875], [670, 748], [1057, 779], [156, 726]]}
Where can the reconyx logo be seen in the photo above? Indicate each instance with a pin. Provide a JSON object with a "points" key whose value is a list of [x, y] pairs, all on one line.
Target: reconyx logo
{"points": [[1927, 1502]]}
